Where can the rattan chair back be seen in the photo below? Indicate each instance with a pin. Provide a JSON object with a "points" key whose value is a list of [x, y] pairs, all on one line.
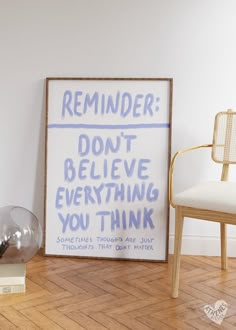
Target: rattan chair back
{"points": [[224, 138]]}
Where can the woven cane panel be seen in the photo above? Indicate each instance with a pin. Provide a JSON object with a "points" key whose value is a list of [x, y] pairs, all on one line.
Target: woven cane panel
{"points": [[224, 141]]}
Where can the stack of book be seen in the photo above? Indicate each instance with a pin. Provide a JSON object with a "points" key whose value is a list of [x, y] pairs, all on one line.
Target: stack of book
{"points": [[12, 278]]}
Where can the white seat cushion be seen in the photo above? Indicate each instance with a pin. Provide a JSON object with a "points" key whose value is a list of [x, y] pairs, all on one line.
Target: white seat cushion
{"points": [[215, 196]]}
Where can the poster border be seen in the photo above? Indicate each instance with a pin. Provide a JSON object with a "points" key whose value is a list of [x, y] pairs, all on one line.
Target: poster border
{"points": [[48, 79]]}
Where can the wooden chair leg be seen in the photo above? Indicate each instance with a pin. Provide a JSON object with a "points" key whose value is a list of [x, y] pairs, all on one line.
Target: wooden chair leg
{"points": [[223, 241], [177, 250]]}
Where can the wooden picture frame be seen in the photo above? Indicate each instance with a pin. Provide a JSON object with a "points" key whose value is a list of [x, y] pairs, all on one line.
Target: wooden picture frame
{"points": [[106, 168]]}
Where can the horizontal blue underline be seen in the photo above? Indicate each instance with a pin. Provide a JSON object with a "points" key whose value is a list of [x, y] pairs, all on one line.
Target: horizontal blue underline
{"points": [[97, 126]]}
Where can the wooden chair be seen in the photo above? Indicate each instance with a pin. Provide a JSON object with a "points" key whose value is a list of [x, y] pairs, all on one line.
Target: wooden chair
{"points": [[212, 201]]}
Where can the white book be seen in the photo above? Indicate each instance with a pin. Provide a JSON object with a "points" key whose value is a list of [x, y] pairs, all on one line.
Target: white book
{"points": [[5, 289], [12, 274]]}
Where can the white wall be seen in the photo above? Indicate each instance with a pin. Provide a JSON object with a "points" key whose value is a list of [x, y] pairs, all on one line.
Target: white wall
{"points": [[192, 41]]}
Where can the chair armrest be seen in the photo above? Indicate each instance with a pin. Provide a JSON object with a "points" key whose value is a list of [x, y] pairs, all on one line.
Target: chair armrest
{"points": [[171, 170]]}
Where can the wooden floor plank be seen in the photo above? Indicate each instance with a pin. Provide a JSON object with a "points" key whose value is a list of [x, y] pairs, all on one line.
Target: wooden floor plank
{"points": [[132, 306], [92, 294], [17, 318], [39, 319], [6, 324], [85, 321], [218, 295], [93, 301], [108, 287], [131, 323], [21, 298], [62, 320], [153, 323], [85, 285], [109, 322], [69, 301], [175, 311], [50, 300], [129, 288], [108, 305]]}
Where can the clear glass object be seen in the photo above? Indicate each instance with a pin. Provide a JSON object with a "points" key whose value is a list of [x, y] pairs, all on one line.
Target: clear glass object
{"points": [[20, 235]]}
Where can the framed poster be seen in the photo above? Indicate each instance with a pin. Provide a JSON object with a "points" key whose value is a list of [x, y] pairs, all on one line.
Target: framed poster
{"points": [[107, 161]]}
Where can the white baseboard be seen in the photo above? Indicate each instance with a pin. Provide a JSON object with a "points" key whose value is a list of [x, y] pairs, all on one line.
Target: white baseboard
{"points": [[204, 246]]}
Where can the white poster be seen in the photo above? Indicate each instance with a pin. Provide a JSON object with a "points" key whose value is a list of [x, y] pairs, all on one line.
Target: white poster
{"points": [[107, 160]]}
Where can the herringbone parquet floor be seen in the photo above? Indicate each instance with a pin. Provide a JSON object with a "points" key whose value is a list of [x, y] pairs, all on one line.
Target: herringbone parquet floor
{"points": [[70, 293]]}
